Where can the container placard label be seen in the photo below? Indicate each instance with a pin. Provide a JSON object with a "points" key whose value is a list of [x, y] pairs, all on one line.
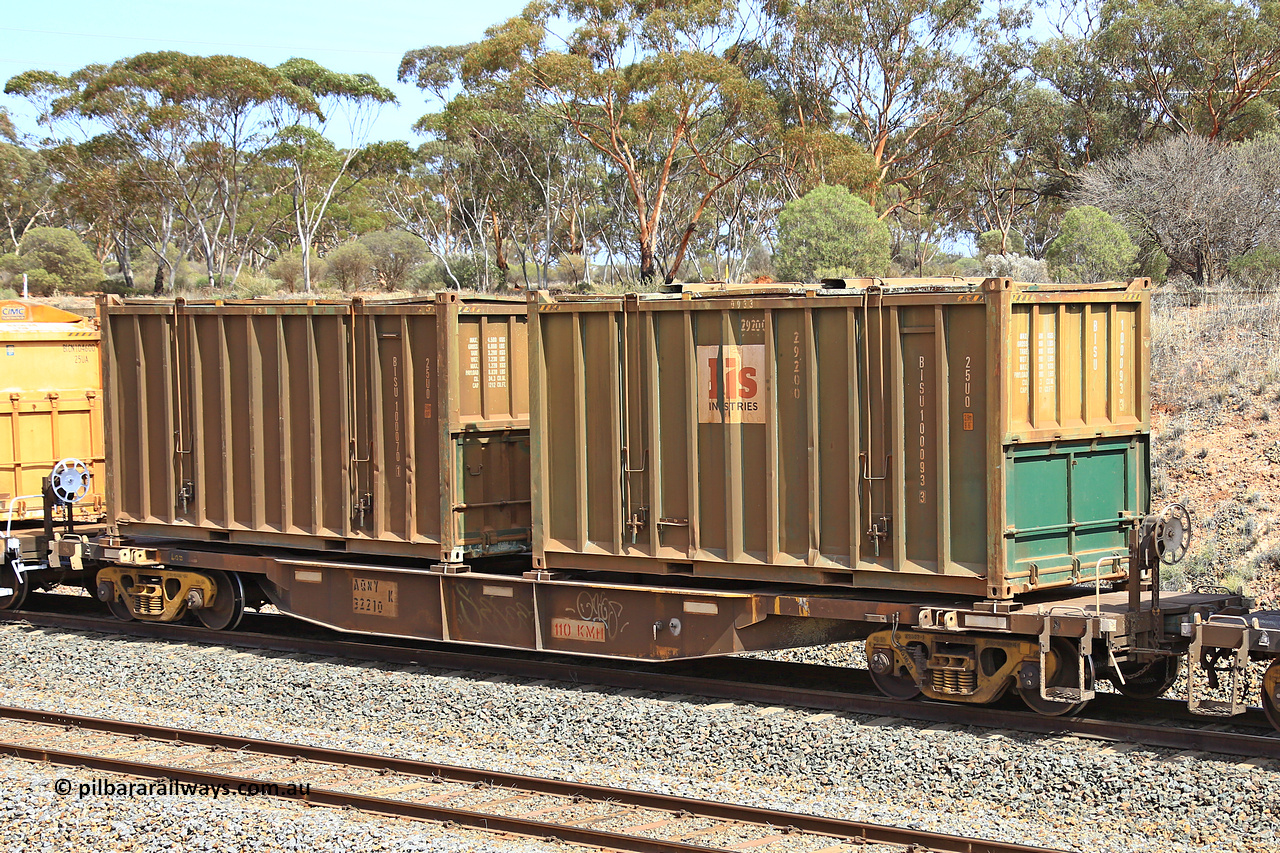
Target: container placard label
{"points": [[374, 597], [578, 629], [731, 383], [495, 359]]}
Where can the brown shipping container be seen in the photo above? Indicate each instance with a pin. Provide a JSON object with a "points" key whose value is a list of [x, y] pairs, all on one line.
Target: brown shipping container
{"points": [[976, 437], [367, 427]]}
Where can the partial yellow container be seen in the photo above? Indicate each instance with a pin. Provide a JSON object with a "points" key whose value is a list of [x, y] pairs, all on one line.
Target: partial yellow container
{"points": [[50, 406]]}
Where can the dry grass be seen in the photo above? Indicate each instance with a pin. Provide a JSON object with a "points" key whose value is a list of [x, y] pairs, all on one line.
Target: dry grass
{"points": [[1215, 387], [1224, 349]]}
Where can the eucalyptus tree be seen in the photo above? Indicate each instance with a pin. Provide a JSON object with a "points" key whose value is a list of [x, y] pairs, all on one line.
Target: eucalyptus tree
{"points": [[196, 126], [315, 169], [1196, 66], [27, 192], [648, 86], [903, 78], [520, 168], [1120, 74], [997, 185], [431, 197]]}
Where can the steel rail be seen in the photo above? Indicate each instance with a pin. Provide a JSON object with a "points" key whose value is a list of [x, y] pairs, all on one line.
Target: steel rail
{"points": [[836, 828], [711, 686]]}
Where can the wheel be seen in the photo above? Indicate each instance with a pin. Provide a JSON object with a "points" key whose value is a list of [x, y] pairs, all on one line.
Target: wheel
{"points": [[120, 609], [106, 592], [228, 604], [1271, 693], [1062, 673], [13, 587], [1151, 682], [1175, 534], [890, 683], [70, 480]]}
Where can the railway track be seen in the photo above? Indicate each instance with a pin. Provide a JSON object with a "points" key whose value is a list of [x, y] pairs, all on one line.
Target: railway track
{"points": [[756, 681], [573, 812]]}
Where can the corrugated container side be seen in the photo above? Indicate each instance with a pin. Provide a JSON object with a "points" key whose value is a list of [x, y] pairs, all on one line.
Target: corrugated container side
{"points": [[372, 427], [51, 381], [1076, 365], [849, 438]]}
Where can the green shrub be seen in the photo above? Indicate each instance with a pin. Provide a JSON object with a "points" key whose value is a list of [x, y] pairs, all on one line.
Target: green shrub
{"points": [[835, 272], [830, 229], [288, 268], [570, 269], [41, 282], [1257, 270], [63, 256], [1153, 263], [11, 269], [249, 285], [468, 273], [427, 277], [350, 266], [989, 244], [395, 256], [116, 286], [1091, 246]]}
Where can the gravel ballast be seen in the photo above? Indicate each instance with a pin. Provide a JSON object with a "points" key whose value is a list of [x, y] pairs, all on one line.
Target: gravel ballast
{"points": [[34, 816], [1062, 792]]}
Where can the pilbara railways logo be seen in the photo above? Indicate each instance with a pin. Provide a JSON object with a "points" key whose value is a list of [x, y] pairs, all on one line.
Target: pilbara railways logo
{"points": [[731, 380]]}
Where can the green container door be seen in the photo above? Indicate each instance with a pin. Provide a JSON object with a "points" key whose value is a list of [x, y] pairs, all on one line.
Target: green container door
{"points": [[1069, 504]]}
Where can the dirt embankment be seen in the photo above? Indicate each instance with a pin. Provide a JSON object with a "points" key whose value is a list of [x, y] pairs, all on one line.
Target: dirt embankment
{"points": [[1216, 420]]}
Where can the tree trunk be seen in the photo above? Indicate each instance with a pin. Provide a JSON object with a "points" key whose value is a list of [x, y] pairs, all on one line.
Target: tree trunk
{"points": [[122, 255], [159, 282], [679, 259], [648, 271], [501, 258], [304, 233]]}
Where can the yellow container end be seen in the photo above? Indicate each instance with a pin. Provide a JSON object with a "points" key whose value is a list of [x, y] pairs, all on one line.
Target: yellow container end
{"points": [[50, 405]]}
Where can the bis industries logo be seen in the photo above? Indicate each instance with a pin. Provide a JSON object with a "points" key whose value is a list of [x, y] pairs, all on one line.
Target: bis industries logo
{"points": [[732, 381]]}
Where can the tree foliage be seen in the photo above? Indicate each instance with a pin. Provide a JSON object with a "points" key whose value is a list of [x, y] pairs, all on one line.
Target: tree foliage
{"points": [[208, 141], [394, 255], [1091, 247], [350, 266], [902, 77], [645, 86], [288, 268], [663, 141], [63, 256], [1202, 203], [830, 233]]}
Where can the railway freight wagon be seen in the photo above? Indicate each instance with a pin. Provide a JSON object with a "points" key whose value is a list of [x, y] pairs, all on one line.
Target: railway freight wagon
{"points": [[52, 408], [389, 429], [939, 436], [952, 470]]}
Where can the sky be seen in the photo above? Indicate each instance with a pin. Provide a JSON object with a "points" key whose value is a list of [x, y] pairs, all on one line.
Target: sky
{"points": [[369, 36]]}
